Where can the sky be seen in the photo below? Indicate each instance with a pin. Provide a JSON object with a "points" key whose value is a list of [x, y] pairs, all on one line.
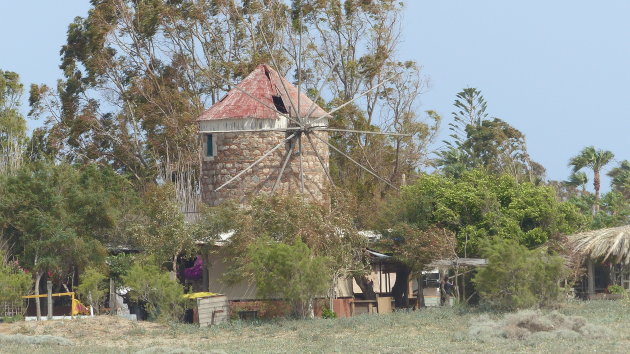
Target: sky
{"points": [[556, 70]]}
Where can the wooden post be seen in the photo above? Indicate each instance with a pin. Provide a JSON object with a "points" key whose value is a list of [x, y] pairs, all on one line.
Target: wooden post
{"points": [[113, 305], [591, 277], [420, 299], [49, 301]]}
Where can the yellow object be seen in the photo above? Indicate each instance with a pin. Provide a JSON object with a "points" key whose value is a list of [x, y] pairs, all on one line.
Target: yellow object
{"points": [[200, 294], [45, 295], [78, 308]]}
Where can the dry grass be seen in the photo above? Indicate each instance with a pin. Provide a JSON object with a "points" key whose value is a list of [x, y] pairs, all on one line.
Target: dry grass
{"points": [[603, 326], [611, 242], [536, 325]]}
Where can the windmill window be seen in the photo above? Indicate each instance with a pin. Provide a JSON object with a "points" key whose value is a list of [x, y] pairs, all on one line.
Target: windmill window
{"points": [[210, 147]]}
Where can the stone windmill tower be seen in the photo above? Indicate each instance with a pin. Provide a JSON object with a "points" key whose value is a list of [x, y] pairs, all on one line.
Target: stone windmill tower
{"points": [[253, 141], [265, 136]]}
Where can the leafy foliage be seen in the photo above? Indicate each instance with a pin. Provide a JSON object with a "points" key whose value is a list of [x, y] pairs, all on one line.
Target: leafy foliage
{"points": [[161, 295], [416, 248], [14, 282], [162, 230], [516, 277], [479, 205], [283, 219], [57, 215], [479, 142], [12, 123], [288, 271], [621, 178], [92, 287]]}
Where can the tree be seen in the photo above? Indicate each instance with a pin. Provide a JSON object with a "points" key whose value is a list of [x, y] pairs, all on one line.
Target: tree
{"points": [[470, 106], [12, 124], [413, 250], [596, 160], [480, 205], [161, 295], [92, 288], [326, 231], [162, 230], [58, 216], [479, 142], [138, 74], [516, 277], [621, 178], [577, 179], [289, 271]]}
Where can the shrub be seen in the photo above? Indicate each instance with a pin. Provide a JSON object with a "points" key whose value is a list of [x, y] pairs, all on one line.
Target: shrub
{"points": [[328, 313], [288, 271], [92, 288], [14, 282], [516, 277], [616, 289], [161, 295]]}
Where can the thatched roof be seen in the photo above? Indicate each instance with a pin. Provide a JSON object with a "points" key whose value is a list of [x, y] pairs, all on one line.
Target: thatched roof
{"points": [[611, 243]]}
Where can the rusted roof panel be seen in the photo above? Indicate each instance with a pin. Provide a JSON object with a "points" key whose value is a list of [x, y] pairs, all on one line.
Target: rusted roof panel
{"points": [[264, 84]]}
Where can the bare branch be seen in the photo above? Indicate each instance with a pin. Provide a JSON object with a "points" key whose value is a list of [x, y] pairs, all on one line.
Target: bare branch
{"points": [[357, 163]]}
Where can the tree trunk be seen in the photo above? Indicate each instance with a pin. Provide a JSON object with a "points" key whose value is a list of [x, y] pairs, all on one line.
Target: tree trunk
{"points": [[420, 296], [367, 287], [49, 302], [596, 185], [38, 308], [400, 291], [174, 271]]}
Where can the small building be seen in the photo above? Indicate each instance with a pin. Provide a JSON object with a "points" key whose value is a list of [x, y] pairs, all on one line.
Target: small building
{"points": [[606, 255]]}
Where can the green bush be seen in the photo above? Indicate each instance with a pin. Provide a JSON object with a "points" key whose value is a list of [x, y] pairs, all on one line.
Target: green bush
{"points": [[516, 277], [288, 272], [14, 282], [328, 313], [616, 289], [161, 295], [92, 288]]}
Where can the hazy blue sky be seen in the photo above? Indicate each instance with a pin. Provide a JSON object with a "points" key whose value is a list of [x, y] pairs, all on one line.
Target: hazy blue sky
{"points": [[557, 70]]}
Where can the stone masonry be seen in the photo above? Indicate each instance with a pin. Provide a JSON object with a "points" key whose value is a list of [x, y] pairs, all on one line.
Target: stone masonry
{"points": [[236, 151]]}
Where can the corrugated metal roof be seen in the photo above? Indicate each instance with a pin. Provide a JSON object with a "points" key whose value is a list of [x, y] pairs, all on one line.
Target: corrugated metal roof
{"points": [[266, 85]]}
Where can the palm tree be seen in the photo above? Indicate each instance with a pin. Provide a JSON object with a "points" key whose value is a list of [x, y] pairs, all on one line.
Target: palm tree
{"points": [[577, 179], [621, 178], [595, 160]]}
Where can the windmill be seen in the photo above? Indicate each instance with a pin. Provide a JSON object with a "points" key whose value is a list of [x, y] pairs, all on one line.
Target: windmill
{"points": [[265, 135]]}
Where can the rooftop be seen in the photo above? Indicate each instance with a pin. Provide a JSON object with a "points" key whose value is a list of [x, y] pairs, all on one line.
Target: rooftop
{"points": [[268, 87]]}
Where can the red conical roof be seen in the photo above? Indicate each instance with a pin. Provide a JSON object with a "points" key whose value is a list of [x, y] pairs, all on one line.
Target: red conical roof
{"points": [[264, 84]]}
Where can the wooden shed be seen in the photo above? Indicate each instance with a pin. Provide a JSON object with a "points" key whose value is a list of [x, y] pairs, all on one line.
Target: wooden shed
{"points": [[209, 308]]}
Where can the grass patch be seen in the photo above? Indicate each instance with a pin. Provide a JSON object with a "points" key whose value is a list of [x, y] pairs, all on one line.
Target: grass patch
{"points": [[20, 339], [573, 327]]}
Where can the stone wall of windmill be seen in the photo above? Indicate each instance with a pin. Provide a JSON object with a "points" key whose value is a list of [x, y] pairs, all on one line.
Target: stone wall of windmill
{"points": [[237, 150]]}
